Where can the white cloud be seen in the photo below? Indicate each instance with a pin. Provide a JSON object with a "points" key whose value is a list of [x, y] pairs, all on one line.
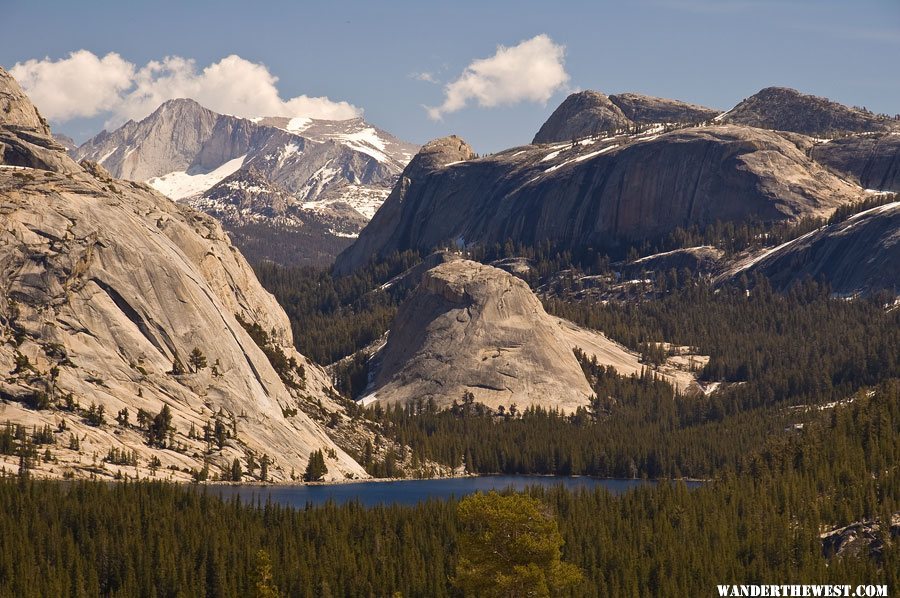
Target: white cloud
{"points": [[85, 85], [530, 71], [424, 76], [81, 85]]}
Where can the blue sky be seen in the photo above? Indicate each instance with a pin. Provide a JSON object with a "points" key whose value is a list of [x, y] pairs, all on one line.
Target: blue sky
{"points": [[369, 54]]}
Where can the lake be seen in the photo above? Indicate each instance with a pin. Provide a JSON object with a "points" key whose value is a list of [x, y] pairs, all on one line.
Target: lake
{"points": [[410, 492]]}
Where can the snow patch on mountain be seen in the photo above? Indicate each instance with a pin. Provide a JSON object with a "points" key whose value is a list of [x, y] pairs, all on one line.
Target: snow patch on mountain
{"points": [[364, 199], [298, 124], [180, 184]]}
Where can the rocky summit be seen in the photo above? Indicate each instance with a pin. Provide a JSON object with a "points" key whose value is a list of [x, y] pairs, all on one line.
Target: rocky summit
{"points": [[115, 302], [590, 113], [582, 114], [787, 109]]}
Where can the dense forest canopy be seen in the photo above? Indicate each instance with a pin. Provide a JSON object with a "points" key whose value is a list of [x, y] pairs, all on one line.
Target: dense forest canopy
{"points": [[763, 523]]}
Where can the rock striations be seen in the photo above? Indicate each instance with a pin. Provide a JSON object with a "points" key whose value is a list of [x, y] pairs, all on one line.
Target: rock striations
{"points": [[856, 257], [106, 290], [873, 161], [471, 328]]}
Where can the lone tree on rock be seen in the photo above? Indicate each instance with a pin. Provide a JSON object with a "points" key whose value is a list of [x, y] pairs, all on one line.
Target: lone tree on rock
{"points": [[197, 360], [315, 469], [510, 546]]}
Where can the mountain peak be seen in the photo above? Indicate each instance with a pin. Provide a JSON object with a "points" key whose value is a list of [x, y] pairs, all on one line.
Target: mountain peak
{"points": [[179, 106], [582, 113], [787, 109]]}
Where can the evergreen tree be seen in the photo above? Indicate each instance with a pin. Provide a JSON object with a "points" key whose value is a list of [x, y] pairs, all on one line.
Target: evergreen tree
{"points": [[510, 546], [197, 360], [264, 587], [160, 427], [264, 468], [315, 468]]}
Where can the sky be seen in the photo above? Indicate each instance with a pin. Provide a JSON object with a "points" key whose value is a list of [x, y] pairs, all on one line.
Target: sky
{"points": [[490, 72]]}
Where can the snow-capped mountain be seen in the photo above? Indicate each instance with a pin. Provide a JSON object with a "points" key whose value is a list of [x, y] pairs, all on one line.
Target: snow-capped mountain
{"points": [[289, 173]]}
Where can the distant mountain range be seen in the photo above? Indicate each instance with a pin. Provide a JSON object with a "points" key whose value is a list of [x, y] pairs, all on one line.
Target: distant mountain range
{"points": [[602, 171], [312, 183]]}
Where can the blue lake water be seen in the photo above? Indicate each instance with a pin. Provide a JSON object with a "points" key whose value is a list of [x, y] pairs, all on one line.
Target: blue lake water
{"points": [[410, 492]]}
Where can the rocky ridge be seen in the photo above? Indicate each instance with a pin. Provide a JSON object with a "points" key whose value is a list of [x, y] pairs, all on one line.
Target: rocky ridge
{"points": [[643, 109], [329, 176], [600, 191], [858, 256]]}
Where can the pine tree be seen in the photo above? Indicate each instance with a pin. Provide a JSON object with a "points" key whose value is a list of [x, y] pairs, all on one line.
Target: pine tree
{"points": [[315, 468], [265, 586], [510, 546], [197, 360], [160, 428], [264, 468]]}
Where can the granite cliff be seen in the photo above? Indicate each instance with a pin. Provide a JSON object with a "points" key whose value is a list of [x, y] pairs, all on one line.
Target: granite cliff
{"points": [[600, 191], [114, 300]]}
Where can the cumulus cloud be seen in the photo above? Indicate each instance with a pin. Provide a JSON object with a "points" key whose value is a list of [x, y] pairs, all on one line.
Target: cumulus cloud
{"points": [[82, 85], [85, 85], [530, 71]]}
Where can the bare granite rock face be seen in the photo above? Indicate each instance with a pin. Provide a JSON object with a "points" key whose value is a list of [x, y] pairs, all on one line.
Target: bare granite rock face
{"points": [[787, 109], [106, 290], [644, 109], [872, 160], [380, 236], [25, 139], [591, 113], [599, 192], [856, 257], [581, 114], [478, 329], [16, 110]]}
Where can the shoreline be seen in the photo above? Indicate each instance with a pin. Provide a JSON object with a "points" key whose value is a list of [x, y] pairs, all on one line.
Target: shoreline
{"points": [[258, 484]]}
